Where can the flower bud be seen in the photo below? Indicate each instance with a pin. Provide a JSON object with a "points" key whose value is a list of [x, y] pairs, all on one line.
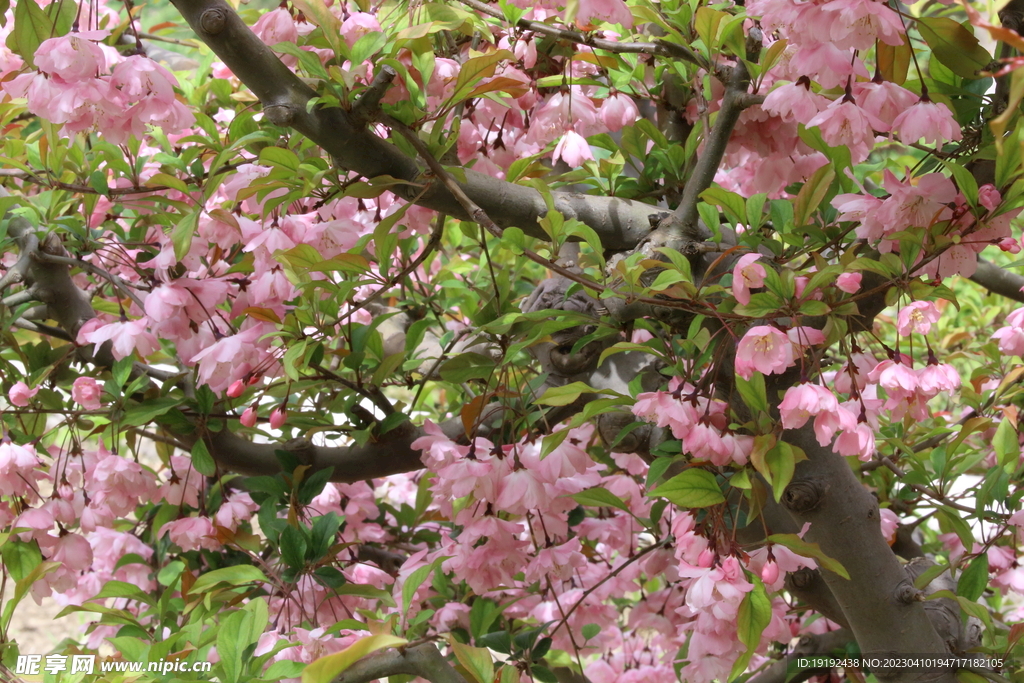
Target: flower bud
{"points": [[770, 572], [248, 418]]}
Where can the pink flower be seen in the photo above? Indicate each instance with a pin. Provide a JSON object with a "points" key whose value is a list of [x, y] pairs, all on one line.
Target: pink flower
{"points": [[803, 401], [125, 336], [18, 470], [795, 102], [803, 336], [572, 149], [849, 282], [889, 523], [929, 120], [612, 11], [858, 23], [940, 377], [618, 111], [746, 275], [859, 441], [844, 124], [917, 317], [358, 25], [989, 197], [898, 380], [278, 417], [765, 349], [885, 100], [20, 394], [191, 533], [71, 58], [86, 392]]}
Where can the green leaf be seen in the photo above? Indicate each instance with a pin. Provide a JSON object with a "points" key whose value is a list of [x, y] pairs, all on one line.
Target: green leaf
{"points": [[293, 547], [954, 46], [812, 550], [476, 69], [598, 497], [564, 395], [965, 181], [467, 366], [476, 660], [928, 575], [121, 589], [691, 488], [237, 575], [202, 460], [182, 233], [753, 392], [894, 61], [811, 194], [325, 669], [20, 558], [413, 583], [144, 413], [974, 579], [960, 526], [1006, 444], [753, 617]]}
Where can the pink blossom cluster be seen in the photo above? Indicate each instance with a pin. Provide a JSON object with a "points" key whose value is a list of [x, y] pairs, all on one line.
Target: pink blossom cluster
{"points": [[510, 507], [87, 86], [700, 422], [924, 202]]}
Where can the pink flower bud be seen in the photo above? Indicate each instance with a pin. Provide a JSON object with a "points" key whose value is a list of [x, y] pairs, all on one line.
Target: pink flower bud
{"points": [[236, 388], [248, 418], [770, 572], [1009, 244], [849, 282], [277, 418], [86, 392], [706, 558], [20, 394]]}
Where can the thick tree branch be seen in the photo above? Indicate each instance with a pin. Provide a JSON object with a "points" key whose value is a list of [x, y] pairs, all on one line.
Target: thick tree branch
{"points": [[620, 223], [880, 603], [422, 660], [786, 669], [683, 223], [999, 280]]}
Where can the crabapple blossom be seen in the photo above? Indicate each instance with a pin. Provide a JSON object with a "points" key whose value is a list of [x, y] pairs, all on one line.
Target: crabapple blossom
{"points": [[20, 394], [746, 275], [917, 316], [86, 392], [931, 121], [765, 349]]}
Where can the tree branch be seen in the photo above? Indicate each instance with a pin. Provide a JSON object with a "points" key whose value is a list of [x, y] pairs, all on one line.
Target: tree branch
{"points": [[620, 223], [999, 280], [422, 660], [786, 670], [683, 221], [661, 48], [879, 601]]}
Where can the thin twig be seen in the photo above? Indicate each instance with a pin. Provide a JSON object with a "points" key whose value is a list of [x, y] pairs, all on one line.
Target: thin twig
{"points": [[662, 48], [611, 575]]}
